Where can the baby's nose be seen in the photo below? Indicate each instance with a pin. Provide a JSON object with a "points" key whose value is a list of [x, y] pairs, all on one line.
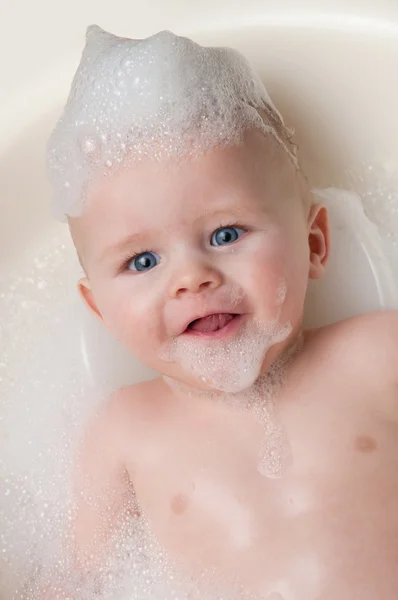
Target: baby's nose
{"points": [[194, 278]]}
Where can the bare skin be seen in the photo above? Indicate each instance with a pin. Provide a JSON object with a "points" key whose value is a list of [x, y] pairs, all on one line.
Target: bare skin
{"points": [[328, 528]]}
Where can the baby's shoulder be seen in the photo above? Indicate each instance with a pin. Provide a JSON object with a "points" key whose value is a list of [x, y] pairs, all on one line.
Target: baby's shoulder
{"points": [[366, 344], [122, 407], [134, 400], [117, 418]]}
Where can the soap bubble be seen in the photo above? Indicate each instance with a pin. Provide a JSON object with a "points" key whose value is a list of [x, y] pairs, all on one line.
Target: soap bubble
{"points": [[228, 365], [159, 97]]}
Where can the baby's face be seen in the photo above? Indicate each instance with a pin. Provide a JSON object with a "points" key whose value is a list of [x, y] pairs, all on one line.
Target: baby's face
{"points": [[224, 235]]}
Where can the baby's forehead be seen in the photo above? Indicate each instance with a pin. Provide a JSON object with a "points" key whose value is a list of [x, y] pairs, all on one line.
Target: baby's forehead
{"points": [[227, 176], [146, 196], [241, 160]]}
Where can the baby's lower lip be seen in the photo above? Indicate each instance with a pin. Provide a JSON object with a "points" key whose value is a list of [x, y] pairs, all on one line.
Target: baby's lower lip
{"points": [[230, 327]]}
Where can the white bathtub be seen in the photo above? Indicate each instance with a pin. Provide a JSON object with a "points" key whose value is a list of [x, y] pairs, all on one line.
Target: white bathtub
{"points": [[331, 69]]}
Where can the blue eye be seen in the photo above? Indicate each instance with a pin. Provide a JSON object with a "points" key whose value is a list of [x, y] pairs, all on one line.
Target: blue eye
{"points": [[144, 261], [226, 235]]}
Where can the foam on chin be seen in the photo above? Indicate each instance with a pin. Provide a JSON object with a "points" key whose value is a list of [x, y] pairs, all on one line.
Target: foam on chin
{"points": [[229, 365]]}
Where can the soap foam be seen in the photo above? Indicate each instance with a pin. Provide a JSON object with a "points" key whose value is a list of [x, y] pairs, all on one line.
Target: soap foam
{"points": [[377, 185], [275, 456], [41, 391], [160, 97], [228, 365]]}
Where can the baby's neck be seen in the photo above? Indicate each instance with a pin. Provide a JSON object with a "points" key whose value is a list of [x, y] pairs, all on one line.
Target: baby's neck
{"points": [[260, 401]]}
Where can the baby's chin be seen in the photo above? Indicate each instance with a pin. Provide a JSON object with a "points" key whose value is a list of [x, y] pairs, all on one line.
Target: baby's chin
{"points": [[232, 365]]}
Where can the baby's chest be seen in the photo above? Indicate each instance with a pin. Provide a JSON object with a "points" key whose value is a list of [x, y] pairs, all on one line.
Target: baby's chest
{"points": [[208, 501], [198, 483], [336, 426]]}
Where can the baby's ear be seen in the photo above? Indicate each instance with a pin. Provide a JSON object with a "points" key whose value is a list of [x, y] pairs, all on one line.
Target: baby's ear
{"points": [[86, 293], [318, 240]]}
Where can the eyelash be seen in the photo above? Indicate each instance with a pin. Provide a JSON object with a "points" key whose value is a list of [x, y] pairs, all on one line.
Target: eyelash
{"points": [[234, 224], [129, 257]]}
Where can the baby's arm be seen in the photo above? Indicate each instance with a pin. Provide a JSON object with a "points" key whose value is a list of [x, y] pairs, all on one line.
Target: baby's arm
{"points": [[102, 494], [102, 488]]}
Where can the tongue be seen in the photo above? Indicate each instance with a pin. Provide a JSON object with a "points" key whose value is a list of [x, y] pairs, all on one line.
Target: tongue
{"points": [[212, 322]]}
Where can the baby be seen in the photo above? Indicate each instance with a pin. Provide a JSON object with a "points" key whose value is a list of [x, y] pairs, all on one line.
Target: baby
{"points": [[263, 454]]}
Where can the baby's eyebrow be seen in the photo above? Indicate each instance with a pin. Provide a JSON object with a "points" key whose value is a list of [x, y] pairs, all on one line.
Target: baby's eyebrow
{"points": [[121, 246]]}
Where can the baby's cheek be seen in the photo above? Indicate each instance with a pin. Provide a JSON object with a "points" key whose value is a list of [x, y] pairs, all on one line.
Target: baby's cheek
{"points": [[129, 319], [278, 276], [265, 276], [295, 272]]}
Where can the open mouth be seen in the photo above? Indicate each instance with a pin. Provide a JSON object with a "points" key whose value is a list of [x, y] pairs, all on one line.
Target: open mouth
{"points": [[211, 323]]}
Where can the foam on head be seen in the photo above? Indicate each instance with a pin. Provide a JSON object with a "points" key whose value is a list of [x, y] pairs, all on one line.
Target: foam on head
{"points": [[160, 97]]}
